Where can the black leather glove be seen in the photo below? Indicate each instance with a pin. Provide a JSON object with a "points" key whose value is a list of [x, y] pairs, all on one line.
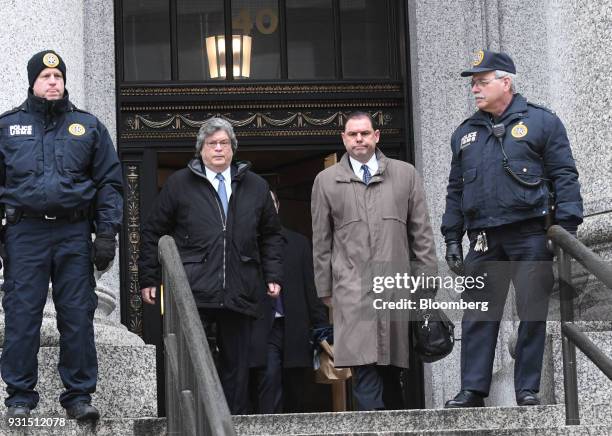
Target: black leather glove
{"points": [[454, 257], [103, 251]]}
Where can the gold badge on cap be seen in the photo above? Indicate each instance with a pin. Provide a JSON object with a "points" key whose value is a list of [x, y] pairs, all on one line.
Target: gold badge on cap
{"points": [[519, 131], [77, 129], [479, 58], [51, 60]]}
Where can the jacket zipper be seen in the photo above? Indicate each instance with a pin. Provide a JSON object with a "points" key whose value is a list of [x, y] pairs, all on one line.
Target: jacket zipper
{"points": [[224, 250], [224, 224]]}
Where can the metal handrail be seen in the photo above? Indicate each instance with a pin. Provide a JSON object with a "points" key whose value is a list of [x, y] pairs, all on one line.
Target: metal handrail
{"points": [[195, 403], [582, 341], [566, 246], [584, 255]]}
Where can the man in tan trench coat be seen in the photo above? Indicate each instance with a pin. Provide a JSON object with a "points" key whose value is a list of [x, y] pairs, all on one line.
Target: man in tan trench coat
{"points": [[369, 220]]}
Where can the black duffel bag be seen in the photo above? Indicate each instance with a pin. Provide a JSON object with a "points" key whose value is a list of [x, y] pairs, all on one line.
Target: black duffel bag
{"points": [[433, 335]]}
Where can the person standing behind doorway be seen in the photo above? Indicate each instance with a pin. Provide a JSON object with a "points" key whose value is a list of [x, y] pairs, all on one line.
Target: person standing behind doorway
{"points": [[287, 333], [369, 213], [229, 238], [59, 175]]}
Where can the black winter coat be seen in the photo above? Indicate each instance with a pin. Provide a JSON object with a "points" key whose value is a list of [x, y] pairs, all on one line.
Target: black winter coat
{"points": [[227, 262], [481, 194], [55, 158]]}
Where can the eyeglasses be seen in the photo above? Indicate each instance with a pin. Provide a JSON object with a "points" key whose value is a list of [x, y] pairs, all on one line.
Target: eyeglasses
{"points": [[224, 144], [481, 83]]}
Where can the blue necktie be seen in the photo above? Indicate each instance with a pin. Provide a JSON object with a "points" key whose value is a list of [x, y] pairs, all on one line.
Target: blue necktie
{"points": [[278, 305], [366, 174], [222, 192]]}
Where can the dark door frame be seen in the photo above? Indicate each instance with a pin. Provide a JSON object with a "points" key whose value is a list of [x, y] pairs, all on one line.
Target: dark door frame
{"points": [[305, 115]]}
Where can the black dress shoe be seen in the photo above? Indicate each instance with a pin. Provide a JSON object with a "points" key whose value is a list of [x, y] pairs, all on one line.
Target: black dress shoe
{"points": [[527, 398], [19, 410], [82, 411], [465, 399]]}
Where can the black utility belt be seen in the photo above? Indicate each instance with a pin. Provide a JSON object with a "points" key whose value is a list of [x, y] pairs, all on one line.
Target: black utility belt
{"points": [[529, 224], [13, 216]]}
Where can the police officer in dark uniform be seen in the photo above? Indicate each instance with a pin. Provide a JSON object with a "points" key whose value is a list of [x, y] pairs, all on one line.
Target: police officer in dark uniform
{"points": [[60, 179], [511, 167]]}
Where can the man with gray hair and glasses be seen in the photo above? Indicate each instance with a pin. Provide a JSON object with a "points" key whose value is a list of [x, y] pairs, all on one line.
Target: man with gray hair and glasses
{"points": [[229, 238], [511, 167]]}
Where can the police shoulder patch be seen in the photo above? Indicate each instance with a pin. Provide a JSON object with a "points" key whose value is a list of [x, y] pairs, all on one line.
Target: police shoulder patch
{"points": [[467, 139], [519, 130], [20, 130], [76, 129]]}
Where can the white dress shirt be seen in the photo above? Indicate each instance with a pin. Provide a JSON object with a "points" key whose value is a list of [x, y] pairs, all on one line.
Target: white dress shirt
{"points": [[372, 165], [227, 176]]}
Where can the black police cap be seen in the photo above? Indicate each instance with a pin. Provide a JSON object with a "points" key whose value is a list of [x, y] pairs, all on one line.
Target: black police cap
{"points": [[42, 60], [490, 61]]}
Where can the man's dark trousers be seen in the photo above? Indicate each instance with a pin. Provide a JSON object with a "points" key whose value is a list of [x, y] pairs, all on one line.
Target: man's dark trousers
{"points": [[37, 250], [515, 252], [233, 339], [270, 383], [377, 387]]}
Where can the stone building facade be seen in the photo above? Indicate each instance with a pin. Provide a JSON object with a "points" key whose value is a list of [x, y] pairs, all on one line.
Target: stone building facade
{"points": [[563, 56]]}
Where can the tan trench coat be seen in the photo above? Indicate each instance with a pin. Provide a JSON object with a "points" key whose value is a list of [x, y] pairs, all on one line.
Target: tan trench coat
{"points": [[360, 232]]}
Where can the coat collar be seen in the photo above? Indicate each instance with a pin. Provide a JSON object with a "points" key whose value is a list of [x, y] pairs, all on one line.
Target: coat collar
{"points": [[238, 168], [347, 175], [47, 107]]}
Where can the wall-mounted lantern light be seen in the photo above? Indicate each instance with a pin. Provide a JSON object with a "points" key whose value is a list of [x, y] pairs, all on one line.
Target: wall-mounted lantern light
{"points": [[241, 56]]}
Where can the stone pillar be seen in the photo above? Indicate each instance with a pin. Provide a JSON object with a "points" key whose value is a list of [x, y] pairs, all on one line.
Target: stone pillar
{"points": [[99, 62], [99, 97]]}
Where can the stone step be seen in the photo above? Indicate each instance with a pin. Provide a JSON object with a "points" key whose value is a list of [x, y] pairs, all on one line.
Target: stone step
{"points": [[575, 430], [404, 421], [104, 427], [426, 421], [126, 382]]}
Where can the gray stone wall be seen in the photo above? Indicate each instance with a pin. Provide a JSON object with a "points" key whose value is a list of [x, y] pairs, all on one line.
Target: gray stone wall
{"points": [[37, 25], [99, 62], [563, 56]]}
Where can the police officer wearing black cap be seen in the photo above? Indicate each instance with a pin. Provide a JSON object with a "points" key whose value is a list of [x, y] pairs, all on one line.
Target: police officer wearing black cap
{"points": [[511, 167], [60, 179]]}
